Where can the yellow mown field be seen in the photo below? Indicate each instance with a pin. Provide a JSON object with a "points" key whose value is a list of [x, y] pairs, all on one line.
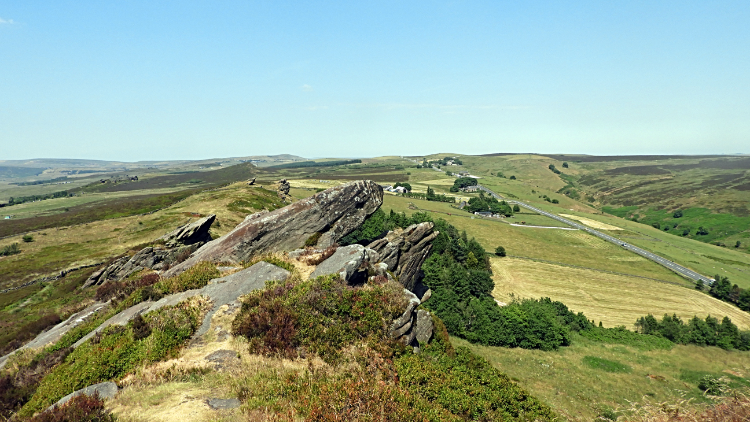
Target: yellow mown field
{"points": [[610, 298]]}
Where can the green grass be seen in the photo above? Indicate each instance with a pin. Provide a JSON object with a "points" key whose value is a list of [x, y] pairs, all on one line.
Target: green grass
{"points": [[605, 365], [582, 380], [570, 247]]}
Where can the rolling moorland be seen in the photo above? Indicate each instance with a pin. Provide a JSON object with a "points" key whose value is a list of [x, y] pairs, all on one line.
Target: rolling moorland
{"points": [[690, 210]]}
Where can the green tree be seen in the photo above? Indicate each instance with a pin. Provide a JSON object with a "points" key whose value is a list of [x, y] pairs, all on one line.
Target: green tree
{"points": [[500, 251], [512, 177], [737, 245], [565, 165], [677, 214], [404, 184], [28, 238], [516, 208]]}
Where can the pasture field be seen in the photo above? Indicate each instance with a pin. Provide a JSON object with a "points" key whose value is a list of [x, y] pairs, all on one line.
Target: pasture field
{"points": [[565, 246], [578, 391], [702, 257], [610, 298]]}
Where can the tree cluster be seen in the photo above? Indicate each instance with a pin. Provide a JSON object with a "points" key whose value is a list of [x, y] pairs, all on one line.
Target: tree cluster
{"points": [[484, 203], [403, 184], [708, 332], [723, 289], [463, 182], [554, 169], [21, 199]]}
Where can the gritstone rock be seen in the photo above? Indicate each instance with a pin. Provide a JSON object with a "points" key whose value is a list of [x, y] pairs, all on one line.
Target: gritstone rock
{"points": [[195, 232], [284, 187], [423, 329], [347, 262], [405, 251], [220, 291], [106, 390], [336, 212]]}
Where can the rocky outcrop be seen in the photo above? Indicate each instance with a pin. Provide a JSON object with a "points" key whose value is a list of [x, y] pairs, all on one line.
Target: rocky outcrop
{"points": [[283, 189], [414, 326], [220, 291], [335, 212], [105, 390], [350, 262], [149, 257], [404, 251], [191, 233], [55, 333]]}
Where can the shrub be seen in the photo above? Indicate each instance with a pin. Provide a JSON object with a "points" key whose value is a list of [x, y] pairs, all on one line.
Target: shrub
{"points": [[193, 278], [118, 352], [313, 239], [500, 251], [81, 408], [713, 386], [11, 249], [320, 316], [28, 238]]}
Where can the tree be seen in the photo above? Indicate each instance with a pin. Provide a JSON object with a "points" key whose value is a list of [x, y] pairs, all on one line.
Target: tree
{"points": [[500, 251], [565, 165], [702, 231], [512, 177], [516, 208], [404, 184], [28, 238], [737, 245], [677, 214]]}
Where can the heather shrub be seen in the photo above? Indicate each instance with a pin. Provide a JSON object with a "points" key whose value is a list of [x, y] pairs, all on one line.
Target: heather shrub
{"points": [[320, 316], [81, 408], [118, 352]]}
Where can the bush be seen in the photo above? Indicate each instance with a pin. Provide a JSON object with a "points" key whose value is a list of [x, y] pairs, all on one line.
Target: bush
{"points": [[320, 316], [713, 386], [118, 352], [500, 251], [11, 249], [81, 408], [28, 238]]}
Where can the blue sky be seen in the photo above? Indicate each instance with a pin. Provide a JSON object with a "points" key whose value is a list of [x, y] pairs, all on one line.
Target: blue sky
{"points": [[132, 80]]}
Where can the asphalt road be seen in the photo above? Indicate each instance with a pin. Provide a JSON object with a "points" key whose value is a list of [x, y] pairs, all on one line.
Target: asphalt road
{"points": [[679, 269]]}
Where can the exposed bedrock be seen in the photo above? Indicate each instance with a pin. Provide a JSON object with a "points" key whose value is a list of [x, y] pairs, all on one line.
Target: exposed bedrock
{"points": [[335, 213], [405, 251]]}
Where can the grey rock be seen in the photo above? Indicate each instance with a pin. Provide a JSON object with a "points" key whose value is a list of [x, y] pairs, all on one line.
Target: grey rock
{"points": [[427, 295], [346, 262], [222, 356], [335, 212], [220, 294], [106, 390], [222, 404], [283, 189], [55, 333], [398, 332], [423, 328], [191, 233], [404, 252]]}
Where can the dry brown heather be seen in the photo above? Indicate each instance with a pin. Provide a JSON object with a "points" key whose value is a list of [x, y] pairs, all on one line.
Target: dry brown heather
{"points": [[613, 299]]}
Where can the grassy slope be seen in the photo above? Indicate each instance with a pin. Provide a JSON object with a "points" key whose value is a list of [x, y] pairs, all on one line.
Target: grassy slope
{"points": [[580, 393], [63, 247]]}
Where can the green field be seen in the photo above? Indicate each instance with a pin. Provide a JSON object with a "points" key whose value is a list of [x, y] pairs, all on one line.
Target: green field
{"points": [[580, 391]]}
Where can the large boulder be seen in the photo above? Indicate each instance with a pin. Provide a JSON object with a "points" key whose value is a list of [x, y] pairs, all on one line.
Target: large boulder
{"points": [[335, 213], [219, 291], [195, 232], [105, 390], [404, 251], [350, 262]]}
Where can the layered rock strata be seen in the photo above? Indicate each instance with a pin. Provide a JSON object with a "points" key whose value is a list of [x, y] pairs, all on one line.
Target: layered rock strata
{"points": [[404, 251], [335, 213]]}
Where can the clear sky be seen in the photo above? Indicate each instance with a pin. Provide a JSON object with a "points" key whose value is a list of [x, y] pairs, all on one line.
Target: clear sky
{"points": [[140, 80]]}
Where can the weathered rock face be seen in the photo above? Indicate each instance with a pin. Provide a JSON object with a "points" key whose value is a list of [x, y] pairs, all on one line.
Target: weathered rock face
{"points": [[336, 212], [283, 190], [220, 291], [195, 232], [405, 251], [348, 262], [105, 390], [414, 326], [148, 257]]}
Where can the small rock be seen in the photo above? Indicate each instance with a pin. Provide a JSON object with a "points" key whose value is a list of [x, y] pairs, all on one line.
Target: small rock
{"points": [[223, 404], [222, 356], [423, 329]]}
